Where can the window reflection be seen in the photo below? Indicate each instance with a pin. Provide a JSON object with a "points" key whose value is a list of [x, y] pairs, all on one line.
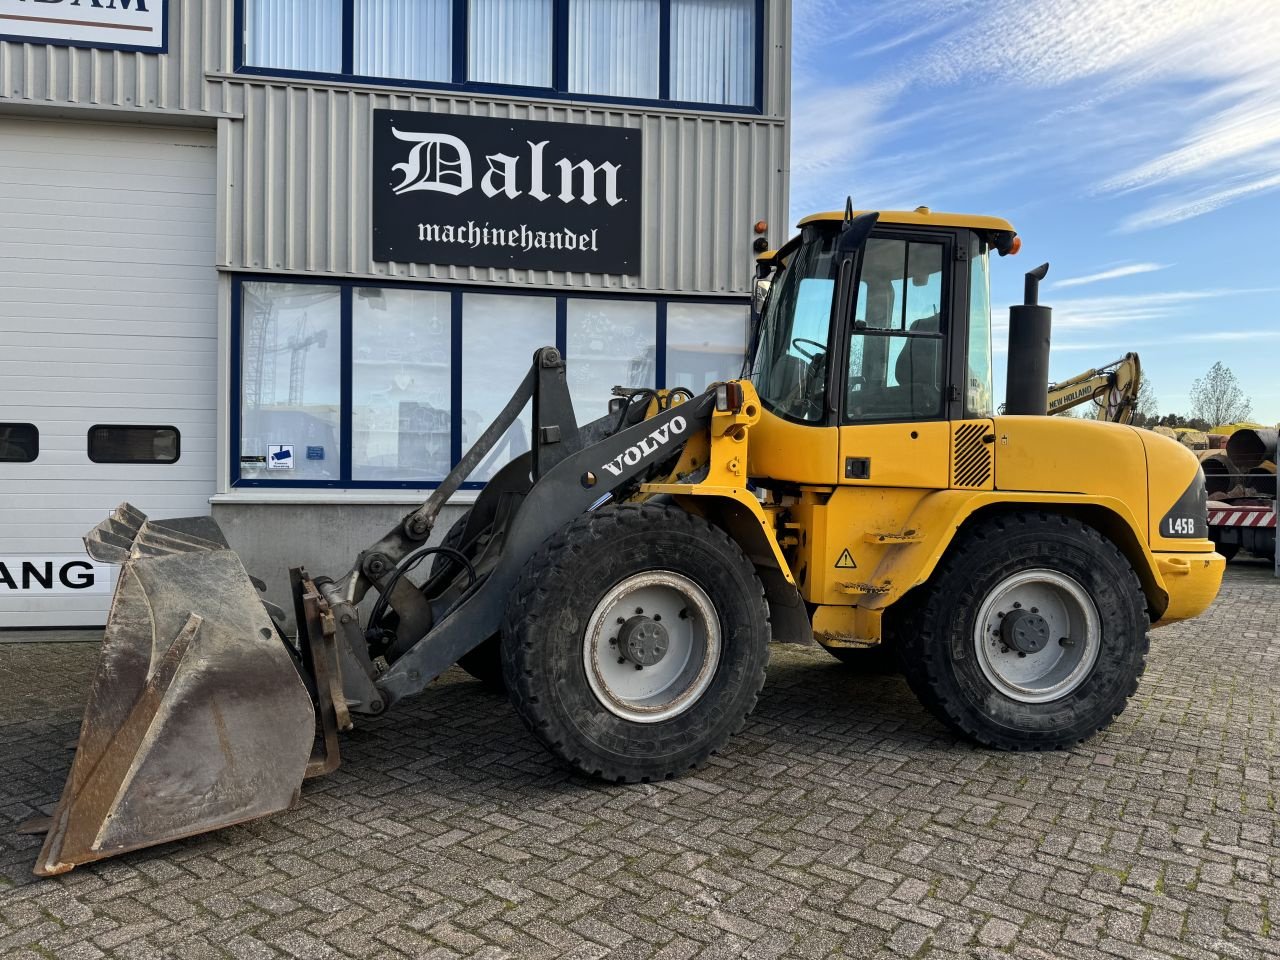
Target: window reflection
{"points": [[291, 377], [401, 418], [706, 342], [610, 343], [499, 335]]}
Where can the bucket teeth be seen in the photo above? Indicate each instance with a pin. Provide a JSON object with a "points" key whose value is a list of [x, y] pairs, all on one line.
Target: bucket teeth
{"points": [[128, 533]]}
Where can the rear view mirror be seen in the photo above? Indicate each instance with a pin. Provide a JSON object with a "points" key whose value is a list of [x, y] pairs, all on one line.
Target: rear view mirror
{"points": [[855, 232]]}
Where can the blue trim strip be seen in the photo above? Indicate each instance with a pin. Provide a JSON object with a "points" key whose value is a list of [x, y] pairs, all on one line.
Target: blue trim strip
{"points": [[348, 332], [664, 51], [461, 55], [348, 36], [346, 405], [455, 374], [560, 66], [235, 392], [660, 345]]}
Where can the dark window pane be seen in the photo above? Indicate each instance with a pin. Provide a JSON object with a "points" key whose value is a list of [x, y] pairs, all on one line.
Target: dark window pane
{"points": [[127, 444], [19, 442]]}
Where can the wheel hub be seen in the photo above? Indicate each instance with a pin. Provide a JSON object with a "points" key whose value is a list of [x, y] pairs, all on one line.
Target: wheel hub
{"points": [[643, 641], [1024, 631]]}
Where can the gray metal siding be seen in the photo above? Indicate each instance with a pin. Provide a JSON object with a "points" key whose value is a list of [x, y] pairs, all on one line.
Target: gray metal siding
{"points": [[294, 170]]}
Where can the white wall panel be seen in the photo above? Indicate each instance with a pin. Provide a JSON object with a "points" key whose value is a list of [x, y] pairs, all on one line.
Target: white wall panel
{"points": [[107, 315]]}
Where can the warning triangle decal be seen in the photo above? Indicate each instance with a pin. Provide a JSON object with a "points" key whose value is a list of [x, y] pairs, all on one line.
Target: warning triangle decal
{"points": [[846, 561]]}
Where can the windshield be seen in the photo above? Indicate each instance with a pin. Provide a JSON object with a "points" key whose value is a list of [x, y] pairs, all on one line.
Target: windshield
{"points": [[790, 369]]}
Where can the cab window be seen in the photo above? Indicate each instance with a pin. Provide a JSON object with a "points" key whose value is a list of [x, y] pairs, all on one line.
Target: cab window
{"points": [[896, 347], [791, 359]]}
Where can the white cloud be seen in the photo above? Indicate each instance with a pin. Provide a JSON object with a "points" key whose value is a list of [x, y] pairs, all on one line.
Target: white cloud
{"points": [[1178, 100], [1127, 270], [1177, 209]]}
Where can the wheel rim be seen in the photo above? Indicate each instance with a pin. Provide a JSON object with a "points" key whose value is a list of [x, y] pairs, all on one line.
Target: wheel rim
{"points": [[652, 646], [1037, 636]]}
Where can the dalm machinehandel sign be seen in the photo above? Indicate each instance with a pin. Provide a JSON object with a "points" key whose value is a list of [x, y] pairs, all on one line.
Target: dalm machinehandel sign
{"points": [[109, 24], [485, 192]]}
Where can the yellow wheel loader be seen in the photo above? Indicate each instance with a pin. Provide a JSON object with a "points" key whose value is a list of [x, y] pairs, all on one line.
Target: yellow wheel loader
{"points": [[625, 577]]}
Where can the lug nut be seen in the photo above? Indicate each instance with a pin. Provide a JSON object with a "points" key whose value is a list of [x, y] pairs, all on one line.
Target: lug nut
{"points": [[684, 614], [639, 609], [1021, 654], [622, 659], [639, 667], [622, 619], [1035, 609], [613, 641], [657, 617], [1017, 606]]}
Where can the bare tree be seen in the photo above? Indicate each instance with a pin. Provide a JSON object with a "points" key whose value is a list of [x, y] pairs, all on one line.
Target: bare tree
{"points": [[1146, 409], [1217, 398]]}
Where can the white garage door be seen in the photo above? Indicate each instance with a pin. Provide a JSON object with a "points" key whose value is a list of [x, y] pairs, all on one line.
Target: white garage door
{"points": [[108, 317]]}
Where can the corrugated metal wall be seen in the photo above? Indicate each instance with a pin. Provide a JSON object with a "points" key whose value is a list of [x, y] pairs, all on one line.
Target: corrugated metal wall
{"points": [[295, 157]]}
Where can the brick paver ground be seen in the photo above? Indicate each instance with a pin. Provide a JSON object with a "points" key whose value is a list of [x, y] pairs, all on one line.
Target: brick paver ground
{"points": [[842, 821]]}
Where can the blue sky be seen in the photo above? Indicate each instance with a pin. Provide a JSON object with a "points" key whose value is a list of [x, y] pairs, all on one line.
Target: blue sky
{"points": [[1134, 145]]}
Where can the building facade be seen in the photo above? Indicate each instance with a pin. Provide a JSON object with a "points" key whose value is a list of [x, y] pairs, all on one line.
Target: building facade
{"points": [[283, 260]]}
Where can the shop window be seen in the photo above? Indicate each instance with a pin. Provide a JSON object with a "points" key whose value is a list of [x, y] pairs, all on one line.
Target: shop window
{"points": [[713, 45], [401, 414], [610, 343], [403, 39], [613, 47], [290, 381], [122, 443], [19, 442], [303, 35], [499, 335], [706, 343], [510, 42], [689, 51]]}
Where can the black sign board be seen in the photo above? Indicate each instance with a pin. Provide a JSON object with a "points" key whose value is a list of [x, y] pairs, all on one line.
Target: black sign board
{"points": [[486, 192]]}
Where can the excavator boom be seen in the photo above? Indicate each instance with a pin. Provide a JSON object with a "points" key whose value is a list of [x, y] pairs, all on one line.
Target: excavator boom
{"points": [[1113, 389]]}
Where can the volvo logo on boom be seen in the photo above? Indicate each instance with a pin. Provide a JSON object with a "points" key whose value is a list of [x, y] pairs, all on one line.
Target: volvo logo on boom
{"points": [[655, 441]]}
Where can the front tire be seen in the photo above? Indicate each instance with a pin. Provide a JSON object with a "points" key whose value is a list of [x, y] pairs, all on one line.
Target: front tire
{"points": [[636, 641], [1032, 634]]}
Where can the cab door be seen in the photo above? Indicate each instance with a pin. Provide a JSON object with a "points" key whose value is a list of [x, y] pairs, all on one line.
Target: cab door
{"points": [[894, 405]]}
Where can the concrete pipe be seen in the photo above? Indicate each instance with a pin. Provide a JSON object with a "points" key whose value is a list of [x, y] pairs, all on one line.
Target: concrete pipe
{"points": [[1249, 448], [1217, 471]]}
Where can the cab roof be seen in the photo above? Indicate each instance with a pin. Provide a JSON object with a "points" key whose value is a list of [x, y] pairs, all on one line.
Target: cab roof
{"points": [[922, 216]]}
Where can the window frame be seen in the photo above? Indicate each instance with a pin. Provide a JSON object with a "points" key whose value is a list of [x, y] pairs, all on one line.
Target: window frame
{"points": [[953, 327], [347, 289], [559, 90], [177, 444]]}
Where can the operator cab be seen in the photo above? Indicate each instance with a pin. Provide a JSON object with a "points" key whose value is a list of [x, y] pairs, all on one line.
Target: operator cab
{"points": [[880, 318]]}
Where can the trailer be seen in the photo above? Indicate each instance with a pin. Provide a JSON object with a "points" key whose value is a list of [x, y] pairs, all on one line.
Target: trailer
{"points": [[1248, 524]]}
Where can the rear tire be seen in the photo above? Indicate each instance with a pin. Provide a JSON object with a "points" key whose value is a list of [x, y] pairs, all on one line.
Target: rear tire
{"points": [[1076, 649], [696, 623], [485, 661]]}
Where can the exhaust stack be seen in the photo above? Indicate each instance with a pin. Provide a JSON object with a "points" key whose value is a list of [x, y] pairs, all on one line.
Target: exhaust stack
{"points": [[1027, 383]]}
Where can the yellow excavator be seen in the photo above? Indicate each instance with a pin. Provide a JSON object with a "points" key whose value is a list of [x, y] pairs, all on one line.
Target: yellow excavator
{"points": [[626, 576], [1112, 388]]}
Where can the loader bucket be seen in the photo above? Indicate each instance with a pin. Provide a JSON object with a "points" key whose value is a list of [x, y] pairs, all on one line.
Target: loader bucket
{"points": [[197, 717]]}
